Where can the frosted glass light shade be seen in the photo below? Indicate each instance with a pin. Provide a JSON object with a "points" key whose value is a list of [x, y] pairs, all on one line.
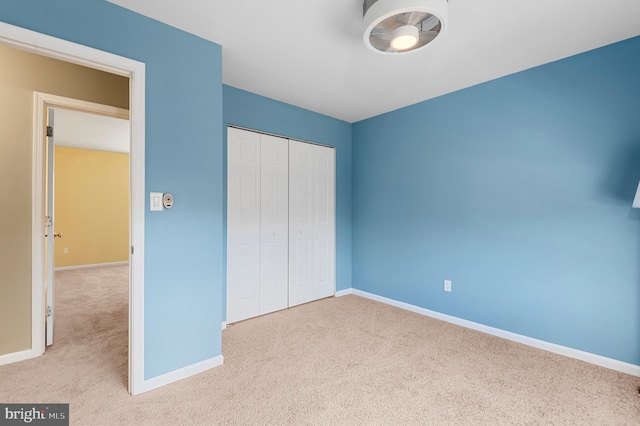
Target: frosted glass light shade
{"points": [[404, 37]]}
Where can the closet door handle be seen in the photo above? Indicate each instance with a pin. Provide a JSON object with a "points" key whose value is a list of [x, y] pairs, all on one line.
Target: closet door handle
{"points": [[274, 235]]}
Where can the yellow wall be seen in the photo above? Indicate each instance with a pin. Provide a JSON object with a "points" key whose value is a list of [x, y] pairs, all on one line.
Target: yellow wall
{"points": [[21, 74], [91, 206]]}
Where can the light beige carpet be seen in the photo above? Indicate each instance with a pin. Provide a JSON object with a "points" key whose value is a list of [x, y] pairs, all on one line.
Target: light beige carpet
{"points": [[338, 361]]}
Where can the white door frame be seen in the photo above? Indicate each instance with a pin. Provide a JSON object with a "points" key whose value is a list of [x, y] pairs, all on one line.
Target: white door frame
{"points": [[52, 47]]}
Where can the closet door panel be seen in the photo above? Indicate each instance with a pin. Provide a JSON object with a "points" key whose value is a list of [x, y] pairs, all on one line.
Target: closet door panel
{"points": [[323, 221], [311, 238], [301, 262], [248, 261], [300, 223], [274, 224], [243, 224]]}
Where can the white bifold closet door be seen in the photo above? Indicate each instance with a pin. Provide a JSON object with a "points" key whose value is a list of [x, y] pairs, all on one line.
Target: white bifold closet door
{"points": [[311, 222], [257, 224], [280, 223]]}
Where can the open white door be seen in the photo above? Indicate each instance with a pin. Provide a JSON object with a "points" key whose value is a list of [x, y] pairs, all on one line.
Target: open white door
{"points": [[50, 233]]}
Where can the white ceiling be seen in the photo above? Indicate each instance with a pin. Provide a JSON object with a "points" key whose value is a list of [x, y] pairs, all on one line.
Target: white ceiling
{"points": [[310, 53], [91, 131]]}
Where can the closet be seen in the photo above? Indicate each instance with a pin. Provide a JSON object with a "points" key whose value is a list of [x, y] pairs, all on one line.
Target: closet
{"points": [[280, 223]]}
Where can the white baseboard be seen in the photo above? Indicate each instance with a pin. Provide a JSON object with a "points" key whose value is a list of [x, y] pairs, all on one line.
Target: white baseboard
{"points": [[344, 292], [602, 361], [92, 265], [182, 373], [18, 356], [224, 325]]}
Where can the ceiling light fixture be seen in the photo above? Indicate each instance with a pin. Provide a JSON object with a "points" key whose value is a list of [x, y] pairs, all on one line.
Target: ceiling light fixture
{"points": [[400, 26]]}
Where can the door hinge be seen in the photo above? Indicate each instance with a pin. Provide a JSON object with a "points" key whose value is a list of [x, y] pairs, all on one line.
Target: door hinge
{"points": [[48, 311], [49, 131], [131, 249]]}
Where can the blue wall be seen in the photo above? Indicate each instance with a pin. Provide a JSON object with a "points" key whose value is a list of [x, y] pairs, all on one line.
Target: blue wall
{"points": [[183, 259], [256, 112], [518, 190]]}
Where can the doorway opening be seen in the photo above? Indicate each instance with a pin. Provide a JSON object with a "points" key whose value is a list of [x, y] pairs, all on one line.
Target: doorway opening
{"points": [[47, 46], [87, 213]]}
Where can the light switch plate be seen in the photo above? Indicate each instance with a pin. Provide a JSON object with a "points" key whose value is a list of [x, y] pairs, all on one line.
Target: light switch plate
{"points": [[155, 201]]}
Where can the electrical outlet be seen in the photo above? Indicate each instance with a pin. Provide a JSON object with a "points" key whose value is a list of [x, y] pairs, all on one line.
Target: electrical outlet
{"points": [[447, 286], [66, 250]]}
